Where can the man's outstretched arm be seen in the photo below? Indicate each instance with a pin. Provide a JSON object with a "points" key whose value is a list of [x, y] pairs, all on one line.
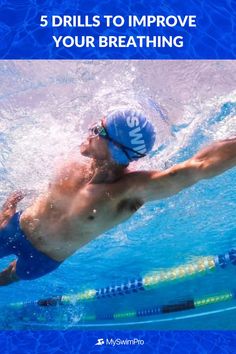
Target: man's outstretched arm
{"points": [[207, 163], [218, 157]]}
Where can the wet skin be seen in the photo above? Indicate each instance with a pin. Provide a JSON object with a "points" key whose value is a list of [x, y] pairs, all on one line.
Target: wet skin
{"points": [[86, 199], [82, 202]]}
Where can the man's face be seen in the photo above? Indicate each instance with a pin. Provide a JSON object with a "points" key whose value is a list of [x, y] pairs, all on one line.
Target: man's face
{"points": [[95, 147]]}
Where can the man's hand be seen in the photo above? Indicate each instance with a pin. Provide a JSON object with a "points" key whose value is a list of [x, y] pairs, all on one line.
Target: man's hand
{"points": [[8, 275], [13, 199], [9, 207]]}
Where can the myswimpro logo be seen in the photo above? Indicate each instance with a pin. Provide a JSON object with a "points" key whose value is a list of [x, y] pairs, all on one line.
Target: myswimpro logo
{"points": [[100, 341], [118, 341]]}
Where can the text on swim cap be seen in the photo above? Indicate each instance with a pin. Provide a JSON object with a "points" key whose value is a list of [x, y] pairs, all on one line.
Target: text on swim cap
{"points": [[136, 134]]}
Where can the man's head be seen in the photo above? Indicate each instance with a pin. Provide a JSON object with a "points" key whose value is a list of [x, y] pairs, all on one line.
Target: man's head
{"points": [[124, 136]]}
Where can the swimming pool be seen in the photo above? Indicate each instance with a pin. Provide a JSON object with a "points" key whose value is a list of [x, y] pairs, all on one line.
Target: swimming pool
{"points": [[191, 104]]}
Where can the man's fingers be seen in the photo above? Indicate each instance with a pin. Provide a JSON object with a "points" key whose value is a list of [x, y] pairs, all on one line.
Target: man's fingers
{"points": [[13, 199], [9, 207], [3, 221], [17, 196]]}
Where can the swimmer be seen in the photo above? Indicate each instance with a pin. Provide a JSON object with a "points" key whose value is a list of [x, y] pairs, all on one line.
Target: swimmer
{"points": [[86, 199]]}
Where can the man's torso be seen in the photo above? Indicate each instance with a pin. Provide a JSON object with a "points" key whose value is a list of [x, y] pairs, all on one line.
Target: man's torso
{"points": [[74, 212]]}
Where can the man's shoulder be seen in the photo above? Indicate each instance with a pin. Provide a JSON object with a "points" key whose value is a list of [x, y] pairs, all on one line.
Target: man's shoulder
{"points": [[75, 164], [70, 172]]}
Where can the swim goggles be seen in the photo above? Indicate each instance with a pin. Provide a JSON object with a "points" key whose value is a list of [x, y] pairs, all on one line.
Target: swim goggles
{"points": [[98, 129]]}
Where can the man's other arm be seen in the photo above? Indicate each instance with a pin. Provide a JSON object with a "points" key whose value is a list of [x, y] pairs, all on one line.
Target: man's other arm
{"points": [[207, 163]]}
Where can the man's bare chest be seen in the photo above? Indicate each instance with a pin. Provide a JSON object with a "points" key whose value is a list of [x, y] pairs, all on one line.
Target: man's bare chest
{"points": [[101, 201], [91, 205]]}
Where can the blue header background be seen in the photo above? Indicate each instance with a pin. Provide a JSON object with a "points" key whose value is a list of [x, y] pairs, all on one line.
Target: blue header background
{"points": [[23, 38]]}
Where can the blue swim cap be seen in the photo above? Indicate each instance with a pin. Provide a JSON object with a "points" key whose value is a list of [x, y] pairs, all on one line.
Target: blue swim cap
{"points": [[131, 129]]}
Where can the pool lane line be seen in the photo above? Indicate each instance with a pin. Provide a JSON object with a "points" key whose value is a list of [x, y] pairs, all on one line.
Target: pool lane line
{"points": [[69, 317], [152, 321], [150, 281], [189, 304], [145, 321]]}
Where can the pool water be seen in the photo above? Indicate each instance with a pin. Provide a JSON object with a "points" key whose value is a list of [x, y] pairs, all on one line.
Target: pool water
{"points": [[191, 104]]}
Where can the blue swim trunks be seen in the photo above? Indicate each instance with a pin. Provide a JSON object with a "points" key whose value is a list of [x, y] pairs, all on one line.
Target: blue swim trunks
{"points": [[31, 263]]}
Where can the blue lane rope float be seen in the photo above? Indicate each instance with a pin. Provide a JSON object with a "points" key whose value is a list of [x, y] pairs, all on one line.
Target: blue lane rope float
{"points": [[149, 281]]}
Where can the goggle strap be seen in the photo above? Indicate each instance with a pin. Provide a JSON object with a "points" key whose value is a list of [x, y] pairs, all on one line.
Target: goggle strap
{"points": [[123, 147], [101, 128]]}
